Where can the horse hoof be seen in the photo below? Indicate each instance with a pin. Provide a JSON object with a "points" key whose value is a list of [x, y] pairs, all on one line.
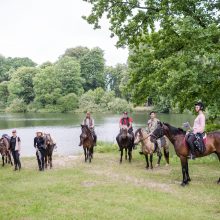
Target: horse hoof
{"points": [[189, 179], [184, 184], [147, 168]]}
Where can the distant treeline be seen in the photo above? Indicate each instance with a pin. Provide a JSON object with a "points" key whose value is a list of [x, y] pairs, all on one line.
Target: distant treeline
{"points": [[78, 81]]}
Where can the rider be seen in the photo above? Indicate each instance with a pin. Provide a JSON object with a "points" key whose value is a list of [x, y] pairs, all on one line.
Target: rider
{"points": [[89, 121], [39, 144], [151, 126], [198, 127], [125, 120]]}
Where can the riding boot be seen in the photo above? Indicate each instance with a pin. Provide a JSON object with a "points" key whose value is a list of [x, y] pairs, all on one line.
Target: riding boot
{"points": [[193, 153]]}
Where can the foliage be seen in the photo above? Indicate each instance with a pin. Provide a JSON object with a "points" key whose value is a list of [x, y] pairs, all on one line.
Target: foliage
{"points": [[177, 62], [21, 84], [4, 92], [119, 105], [17, 105], [92, 69], [76, 52], [68, 102], [212, 127], [67, 70], [47, 87]]}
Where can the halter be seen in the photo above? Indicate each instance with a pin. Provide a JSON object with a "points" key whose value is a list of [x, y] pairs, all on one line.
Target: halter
{"points": [[159, 136]]}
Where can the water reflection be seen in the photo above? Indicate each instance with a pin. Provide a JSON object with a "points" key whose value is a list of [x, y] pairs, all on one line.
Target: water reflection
{"points": [[66, 127]]}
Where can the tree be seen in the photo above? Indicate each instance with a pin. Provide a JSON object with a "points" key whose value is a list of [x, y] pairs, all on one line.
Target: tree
{"points": [[114, 76], [68, 102], [4, 93], [21, 84], [76, 52], [47, 87], [92, 69], [177, 64], [67, 70]]}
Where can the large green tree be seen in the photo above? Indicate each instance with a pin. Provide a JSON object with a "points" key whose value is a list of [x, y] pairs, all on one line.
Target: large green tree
{"points": [[174, 48], [67, 70], [21, 84], [92, 69]]}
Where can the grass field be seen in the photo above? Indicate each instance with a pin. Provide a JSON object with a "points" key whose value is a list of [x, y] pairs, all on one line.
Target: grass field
{"points": [[106, 190]]}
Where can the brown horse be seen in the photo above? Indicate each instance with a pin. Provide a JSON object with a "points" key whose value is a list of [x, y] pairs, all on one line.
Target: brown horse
{"points": [[49, 144], [141, 136], [177, 138], [125, 141], [5, 151], [88, 143]]}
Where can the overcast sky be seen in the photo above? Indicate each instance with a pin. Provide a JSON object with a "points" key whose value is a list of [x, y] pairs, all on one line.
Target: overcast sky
{"points": [[43, 29]]}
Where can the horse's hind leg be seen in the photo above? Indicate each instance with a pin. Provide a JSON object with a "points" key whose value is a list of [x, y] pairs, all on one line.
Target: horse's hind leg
{"points": [[126, 154], [3, 161], [85, 154], [50, 161], [184, 170], [187, 172], [46, 161], [151, 161], [146, 158], [166, 155], [90, 155]]}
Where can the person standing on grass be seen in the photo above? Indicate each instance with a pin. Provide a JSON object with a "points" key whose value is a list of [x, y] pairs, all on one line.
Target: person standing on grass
{"points": [[15, 147], [39, 144]]}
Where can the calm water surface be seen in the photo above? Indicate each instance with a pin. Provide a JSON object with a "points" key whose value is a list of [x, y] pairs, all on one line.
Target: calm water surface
{"points": [[65, 128]]}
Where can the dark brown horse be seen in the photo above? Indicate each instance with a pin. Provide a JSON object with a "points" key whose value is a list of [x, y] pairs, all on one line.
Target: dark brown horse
{"points": [[125, 141], [5, 151], [87, 141], [177, 138], [141, 136], [49, 146]]}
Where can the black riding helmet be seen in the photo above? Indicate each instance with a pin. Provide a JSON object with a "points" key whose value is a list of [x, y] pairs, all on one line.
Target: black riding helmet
{"points": [[200, 104]]}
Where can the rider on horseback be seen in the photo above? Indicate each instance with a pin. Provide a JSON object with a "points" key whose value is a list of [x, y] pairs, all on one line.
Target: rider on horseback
{"points": [[198, 128], [89, 121], [151, 126], [126, 121]]}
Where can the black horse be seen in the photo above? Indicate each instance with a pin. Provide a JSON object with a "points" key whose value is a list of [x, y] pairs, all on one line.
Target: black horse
{"points": [[125, 141], [88, 142], [49, 146]]}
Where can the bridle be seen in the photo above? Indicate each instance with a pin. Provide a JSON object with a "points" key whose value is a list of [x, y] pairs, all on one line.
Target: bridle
{"points": [[161, 134]]}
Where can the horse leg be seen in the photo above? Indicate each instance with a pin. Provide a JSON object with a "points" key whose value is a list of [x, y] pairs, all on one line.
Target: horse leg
{"points": [[146, 158], [187, 171], [85, 154], [218, 154], [159, 154], [130, 155], [184, 170], [166, 155], [3, 161], [10, 158], [92, 152], [51, 165], [46, 161], [151, 161], [121, 155], [126, 153], [90, 155]]}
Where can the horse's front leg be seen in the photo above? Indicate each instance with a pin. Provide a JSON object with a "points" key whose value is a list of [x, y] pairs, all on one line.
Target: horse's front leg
{"points": [[90, 155], [121, 149], [130, 155], [46, 161], [151, 161], [147, 162], [184, 170], [50, 161], [126, 153], [159, 154], [85, 154], [187, 171], [166, 155], [3, 161]]}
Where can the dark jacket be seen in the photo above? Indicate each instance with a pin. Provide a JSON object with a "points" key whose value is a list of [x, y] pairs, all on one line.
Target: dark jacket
{"points": [[39, 142]]}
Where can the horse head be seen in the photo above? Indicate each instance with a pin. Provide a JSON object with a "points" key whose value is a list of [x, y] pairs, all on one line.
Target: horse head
{"points": [[158, 132], [124, 132], [48, 139], [138, 136], [85, 131]]}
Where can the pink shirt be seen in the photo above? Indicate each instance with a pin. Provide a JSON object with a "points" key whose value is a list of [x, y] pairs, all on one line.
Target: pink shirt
{"points": [[199, 124]]}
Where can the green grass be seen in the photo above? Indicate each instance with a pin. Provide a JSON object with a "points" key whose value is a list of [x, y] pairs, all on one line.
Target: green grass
{"points": [[105, 189]]}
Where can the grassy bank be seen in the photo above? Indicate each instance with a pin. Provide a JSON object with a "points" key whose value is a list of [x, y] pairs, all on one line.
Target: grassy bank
{"points": [[106, 190]]}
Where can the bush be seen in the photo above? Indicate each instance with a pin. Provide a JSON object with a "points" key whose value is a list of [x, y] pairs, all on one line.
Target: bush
{"points": [[212, 127], [119, 105], [68, 102], [17, 105]]}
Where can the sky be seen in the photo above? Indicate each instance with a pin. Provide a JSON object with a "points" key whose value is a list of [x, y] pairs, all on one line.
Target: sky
{"points": [[43, 29]]}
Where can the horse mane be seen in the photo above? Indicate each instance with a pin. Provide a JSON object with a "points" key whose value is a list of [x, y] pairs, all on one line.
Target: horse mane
{"points": [[175, 130], [137, 131]]}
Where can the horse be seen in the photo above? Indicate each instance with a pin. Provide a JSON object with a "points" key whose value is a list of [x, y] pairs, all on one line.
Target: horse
{"points": [[5, 151], [177, 138], [141, 136], [124, 140], [49, 146], [88, 143]]}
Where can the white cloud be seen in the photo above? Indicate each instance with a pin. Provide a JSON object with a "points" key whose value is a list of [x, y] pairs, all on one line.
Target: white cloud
{"points": [[44, 29]]}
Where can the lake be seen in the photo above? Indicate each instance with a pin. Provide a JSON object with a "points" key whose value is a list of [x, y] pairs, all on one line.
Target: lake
{"points": [[65, 128]]}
